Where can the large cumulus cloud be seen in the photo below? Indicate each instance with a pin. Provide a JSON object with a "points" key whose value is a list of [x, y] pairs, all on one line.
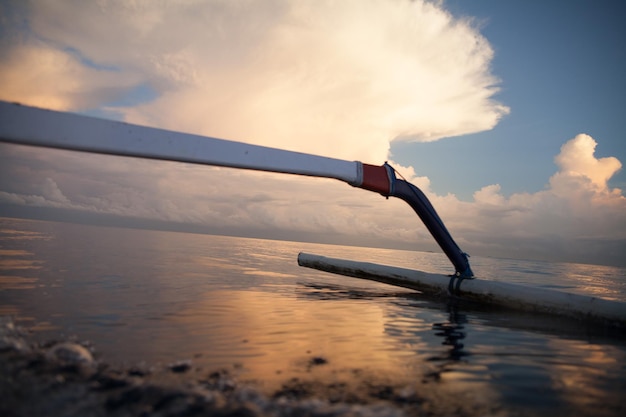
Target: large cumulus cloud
{"points": [[335, 78]]}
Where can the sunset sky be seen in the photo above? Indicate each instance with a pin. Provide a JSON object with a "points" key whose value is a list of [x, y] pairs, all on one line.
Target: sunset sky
{"points": [[510, 116]]}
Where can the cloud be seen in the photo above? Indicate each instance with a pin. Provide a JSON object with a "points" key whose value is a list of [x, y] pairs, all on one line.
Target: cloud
{"points": [[578, 163], [331, 78], [577, 217], [54, 79]]}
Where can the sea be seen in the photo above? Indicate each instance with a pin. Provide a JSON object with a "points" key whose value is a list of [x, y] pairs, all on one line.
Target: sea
{"points": [[244, 305]]}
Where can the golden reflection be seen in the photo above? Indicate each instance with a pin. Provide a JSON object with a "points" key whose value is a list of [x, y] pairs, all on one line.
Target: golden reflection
{"points": [[211, 262], [14, 252], [582, 383], [9, 310], [274, 274], [272, 338], [22, 235], [12, 264], [9, 282], [252, 322], [469, 384], [13, 261], [596, 280]]}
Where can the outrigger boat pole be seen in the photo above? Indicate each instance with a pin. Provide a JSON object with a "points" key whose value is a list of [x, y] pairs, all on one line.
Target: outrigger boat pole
{"points": [[32, 126]]}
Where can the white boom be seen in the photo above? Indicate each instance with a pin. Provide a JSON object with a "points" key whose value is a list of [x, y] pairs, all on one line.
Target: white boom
{"points": [[32, 126]]}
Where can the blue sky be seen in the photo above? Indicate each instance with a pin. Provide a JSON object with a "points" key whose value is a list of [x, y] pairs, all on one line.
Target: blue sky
{"points": [[562, 67], [509, 115]]}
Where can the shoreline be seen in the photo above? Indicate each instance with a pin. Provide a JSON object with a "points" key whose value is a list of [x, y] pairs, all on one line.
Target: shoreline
{"points": [[67, 378]]}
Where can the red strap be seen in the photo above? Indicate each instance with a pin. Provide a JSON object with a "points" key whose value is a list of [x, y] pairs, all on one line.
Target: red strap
{"points": [[376, 178]]}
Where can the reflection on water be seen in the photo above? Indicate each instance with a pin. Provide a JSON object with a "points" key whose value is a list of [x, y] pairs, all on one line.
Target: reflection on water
{"points": [[14, 262], [597, 280], [245, 305], [453, 332], [274, 337]]}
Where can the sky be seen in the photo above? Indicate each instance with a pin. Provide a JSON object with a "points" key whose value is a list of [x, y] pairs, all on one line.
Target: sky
{"points": [[508, 115]]}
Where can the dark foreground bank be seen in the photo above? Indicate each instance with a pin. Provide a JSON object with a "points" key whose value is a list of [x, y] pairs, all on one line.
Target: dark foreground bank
{"points": [[62, 378]]}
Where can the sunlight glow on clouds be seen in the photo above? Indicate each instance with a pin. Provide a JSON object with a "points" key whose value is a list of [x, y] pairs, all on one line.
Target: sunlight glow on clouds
{"points": [[577, 211], [577, 160], [332, 78], [51, 78]]}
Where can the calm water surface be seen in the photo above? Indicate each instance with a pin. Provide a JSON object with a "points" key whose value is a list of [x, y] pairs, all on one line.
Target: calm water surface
{"points": [[245, 305]]}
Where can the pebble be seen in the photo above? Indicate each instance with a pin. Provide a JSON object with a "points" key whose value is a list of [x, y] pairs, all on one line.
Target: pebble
{"points": [[180, 366], [11, 337], [12, 343], [70, 353]]}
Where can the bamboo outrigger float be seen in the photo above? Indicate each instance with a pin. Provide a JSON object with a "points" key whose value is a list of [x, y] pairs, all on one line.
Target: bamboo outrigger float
{"points": [[26, 125], [504, 294]]}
